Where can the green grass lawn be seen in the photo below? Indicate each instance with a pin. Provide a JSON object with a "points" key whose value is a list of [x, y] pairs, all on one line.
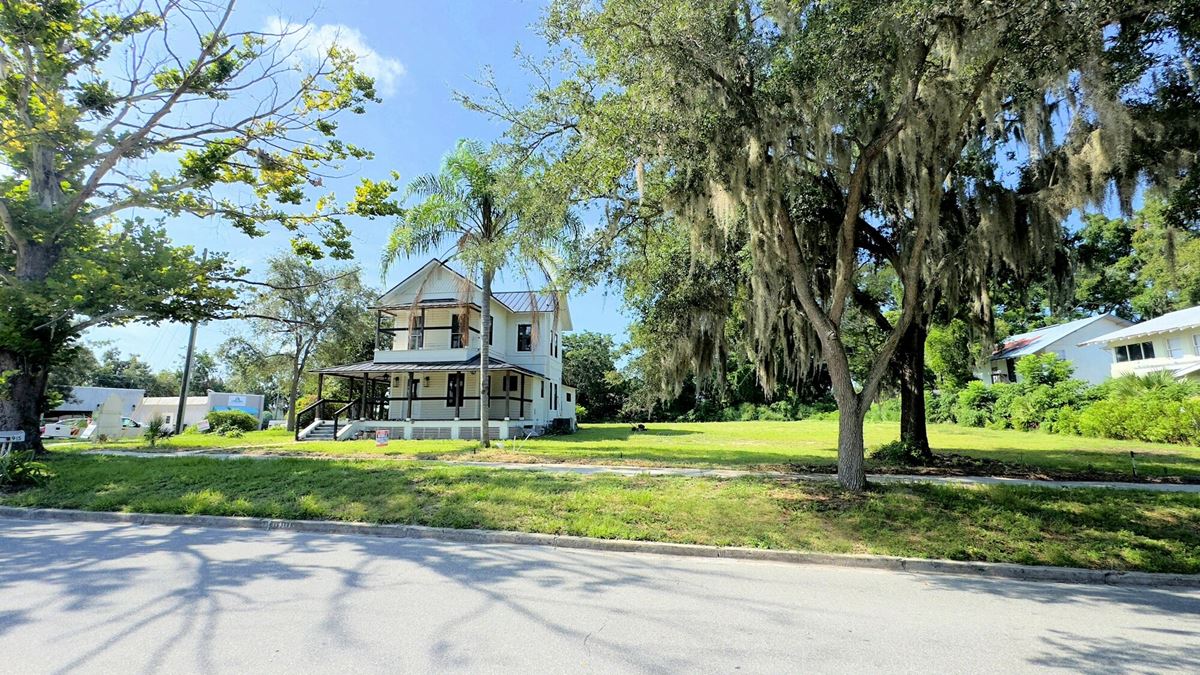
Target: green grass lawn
{"points": [[737, 445], [1132, 530]]}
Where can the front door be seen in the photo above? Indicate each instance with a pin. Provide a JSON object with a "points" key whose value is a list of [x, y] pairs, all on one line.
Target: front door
{"points": [[456, 383]]}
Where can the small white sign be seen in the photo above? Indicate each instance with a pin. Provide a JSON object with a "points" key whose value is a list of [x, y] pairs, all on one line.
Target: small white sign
{"points": [[12, 436], [381, 437], [88, 431], [202, 426]]}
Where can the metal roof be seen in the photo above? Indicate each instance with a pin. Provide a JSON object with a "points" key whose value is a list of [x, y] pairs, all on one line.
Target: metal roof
{"points": [[1033, 341], [1182, 319], [526, 301], [373, 367]]}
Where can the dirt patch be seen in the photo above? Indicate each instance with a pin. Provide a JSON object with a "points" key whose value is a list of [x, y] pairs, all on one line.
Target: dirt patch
{"points": [[952, 464]]}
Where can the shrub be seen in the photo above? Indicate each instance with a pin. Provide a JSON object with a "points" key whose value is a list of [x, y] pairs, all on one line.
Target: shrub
{"points": [[1043, 369], [224, 422], [897, 452], [884, 411], [582, 414], [939, 406], [973, 406], [18, 469], [1150, 417], [156, 428]]}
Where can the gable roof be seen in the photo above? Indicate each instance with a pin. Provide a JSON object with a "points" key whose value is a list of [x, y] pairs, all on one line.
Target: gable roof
{"points": [[515, 301], [1178, 320], [1036, 340]]}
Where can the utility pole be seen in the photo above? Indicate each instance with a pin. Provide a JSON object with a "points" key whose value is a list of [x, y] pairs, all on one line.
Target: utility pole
{"points": [[187, 366]]}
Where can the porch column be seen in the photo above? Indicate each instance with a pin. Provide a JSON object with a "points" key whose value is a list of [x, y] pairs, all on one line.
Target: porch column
{"points": [[507, 397], [521, 404], [457, 395], [320, 386], [408, 395]]}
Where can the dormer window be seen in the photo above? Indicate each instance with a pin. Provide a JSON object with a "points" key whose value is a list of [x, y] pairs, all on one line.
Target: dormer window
{"points": [[524, 337]]}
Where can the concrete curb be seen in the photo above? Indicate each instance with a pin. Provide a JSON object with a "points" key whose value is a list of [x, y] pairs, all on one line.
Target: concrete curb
{"points": [[1071, 575]]}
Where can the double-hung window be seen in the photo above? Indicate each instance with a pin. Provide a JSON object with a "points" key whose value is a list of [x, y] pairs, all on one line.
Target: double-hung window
{"points": [[416, 333], [524, 337], [458, 331], [1175, 347]]}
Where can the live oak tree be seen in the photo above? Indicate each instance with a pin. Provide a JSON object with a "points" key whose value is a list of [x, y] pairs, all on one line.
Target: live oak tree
{"points": [[110, 109], [837, 135]]}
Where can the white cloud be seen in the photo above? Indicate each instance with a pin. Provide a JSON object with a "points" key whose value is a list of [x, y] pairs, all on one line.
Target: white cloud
{"points": [[313, 41]]}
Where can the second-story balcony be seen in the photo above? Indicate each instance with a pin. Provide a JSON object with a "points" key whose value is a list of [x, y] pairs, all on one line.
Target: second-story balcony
{"points": [[431, 330]]}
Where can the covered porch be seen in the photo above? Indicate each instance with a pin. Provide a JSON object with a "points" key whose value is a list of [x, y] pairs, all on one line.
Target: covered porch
{"points": [[421, 400]]}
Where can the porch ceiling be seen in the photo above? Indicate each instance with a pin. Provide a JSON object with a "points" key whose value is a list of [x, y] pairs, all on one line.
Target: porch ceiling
{"points": [[370, 368]]}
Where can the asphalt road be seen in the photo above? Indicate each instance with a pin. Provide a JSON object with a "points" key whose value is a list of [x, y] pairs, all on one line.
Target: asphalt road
{"points": [[85, 597]]}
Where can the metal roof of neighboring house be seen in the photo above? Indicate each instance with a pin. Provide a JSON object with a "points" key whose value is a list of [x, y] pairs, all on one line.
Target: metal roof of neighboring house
{"points": [[373, 367], [1033, 341], [1184, 318]]}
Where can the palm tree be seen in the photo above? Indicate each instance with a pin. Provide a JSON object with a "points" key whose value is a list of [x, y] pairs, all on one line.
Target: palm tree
{"points": [[481, 206]]}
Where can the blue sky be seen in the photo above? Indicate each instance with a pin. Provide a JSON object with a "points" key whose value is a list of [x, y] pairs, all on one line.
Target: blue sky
{"points": [[419, 52]]}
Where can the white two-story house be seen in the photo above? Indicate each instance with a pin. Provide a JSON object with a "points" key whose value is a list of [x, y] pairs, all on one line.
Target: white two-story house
{"points": [[1070, 341], [423, 381], [1170, 342]]}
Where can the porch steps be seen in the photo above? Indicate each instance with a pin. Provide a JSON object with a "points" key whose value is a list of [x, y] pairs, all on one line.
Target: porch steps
{"points": [[321, 432]]}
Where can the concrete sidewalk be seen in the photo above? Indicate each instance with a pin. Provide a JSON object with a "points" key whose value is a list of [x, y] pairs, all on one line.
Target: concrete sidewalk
{"points": [[591, 469]]}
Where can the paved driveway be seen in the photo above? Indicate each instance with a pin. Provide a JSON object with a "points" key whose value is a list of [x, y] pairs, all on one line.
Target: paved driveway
{"points": [[85, 597]]}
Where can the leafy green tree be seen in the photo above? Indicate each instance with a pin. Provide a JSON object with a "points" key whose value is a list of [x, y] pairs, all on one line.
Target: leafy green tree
{"points": [[297, 306], [484, 210], [107, 109], [951, 355], [590, 365]]}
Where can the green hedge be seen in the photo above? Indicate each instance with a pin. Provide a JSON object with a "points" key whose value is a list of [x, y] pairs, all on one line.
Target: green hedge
{"points": [[224, 421]]}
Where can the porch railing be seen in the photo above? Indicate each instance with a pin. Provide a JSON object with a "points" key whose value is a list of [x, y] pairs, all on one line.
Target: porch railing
{"points": [[349, 410]]}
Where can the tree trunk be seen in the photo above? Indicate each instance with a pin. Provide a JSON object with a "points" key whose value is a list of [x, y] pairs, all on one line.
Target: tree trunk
{"points": [[910, 366], [25, 371], [293, 393], [485, 385], [22, 396], [851, 472]]}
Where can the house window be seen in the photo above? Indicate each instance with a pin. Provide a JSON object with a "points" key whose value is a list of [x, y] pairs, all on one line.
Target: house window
{"points": [[1175, 347], [543, 389], [524, 337], [455, 384], [568, 397], [1196, 344], [510, 383], [458, 331], [491, 331], [416, 337], [553, 396], [1135, 352], [553, 344]]}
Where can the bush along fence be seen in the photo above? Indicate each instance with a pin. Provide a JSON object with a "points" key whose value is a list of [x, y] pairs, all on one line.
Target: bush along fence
{"points": [[1155, 408]]}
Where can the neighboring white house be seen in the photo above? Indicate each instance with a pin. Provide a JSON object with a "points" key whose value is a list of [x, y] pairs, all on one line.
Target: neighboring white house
{"points": [[1072, 341], [198, 406], [1171, 342], [423, 381]]}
